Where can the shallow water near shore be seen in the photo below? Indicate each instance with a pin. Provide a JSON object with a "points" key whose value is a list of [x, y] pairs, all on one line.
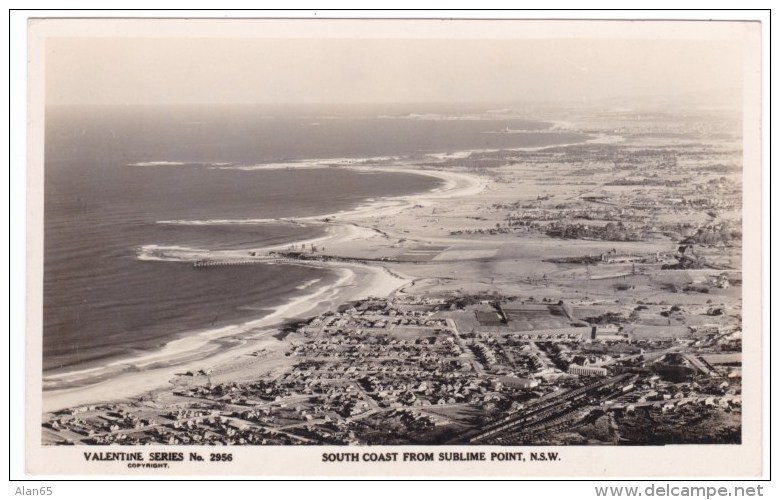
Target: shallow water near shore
{"points": [[101, 301], [112, 176]]}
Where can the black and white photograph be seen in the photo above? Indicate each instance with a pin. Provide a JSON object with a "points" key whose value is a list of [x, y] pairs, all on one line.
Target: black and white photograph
{"points": [[438, 247]]}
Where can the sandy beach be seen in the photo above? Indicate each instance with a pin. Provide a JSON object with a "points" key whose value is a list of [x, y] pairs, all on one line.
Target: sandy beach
{"points": [[205, 350], [221, 347], [455, 184]]}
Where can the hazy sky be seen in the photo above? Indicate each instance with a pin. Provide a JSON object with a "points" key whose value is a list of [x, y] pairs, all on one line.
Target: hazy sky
{"points": [[221, 70]]}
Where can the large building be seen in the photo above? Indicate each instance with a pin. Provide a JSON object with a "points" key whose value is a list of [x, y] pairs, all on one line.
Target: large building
{"points": [[589, 371]]}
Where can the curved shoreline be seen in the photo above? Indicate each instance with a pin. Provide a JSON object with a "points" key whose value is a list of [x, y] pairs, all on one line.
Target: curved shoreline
{"points": [[133, 377], [456, 184]]}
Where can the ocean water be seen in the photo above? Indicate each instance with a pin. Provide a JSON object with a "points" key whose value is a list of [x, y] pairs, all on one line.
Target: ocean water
{"points": [[101, 302]]}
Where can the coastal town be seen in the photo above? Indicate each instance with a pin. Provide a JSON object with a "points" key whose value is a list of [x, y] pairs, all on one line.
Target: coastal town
{"points": [[585, 294], [446, 371]]}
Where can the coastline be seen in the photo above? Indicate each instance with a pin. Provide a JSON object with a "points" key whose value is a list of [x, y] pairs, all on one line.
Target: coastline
{"points": [[139, 375], [133, 377], [456, 184]]}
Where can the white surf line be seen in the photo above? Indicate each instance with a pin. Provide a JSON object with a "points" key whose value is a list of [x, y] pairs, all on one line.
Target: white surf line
{"points": [[335, 233], [153, 371], [456, 184], [194, 342], [189, 343], [599, 139]]}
